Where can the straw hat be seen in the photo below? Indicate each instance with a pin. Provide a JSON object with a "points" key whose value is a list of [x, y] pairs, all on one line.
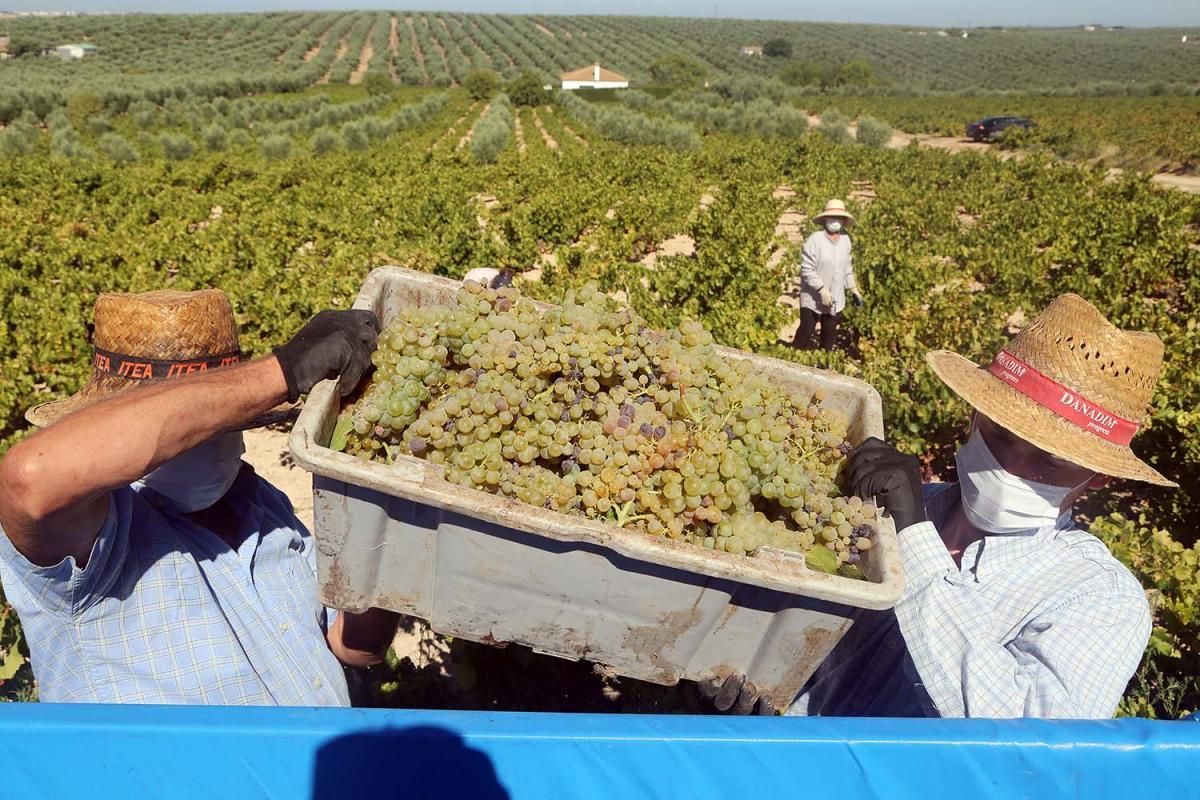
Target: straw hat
{"points": [[1070, 383], [147, 338], [834, 208]]}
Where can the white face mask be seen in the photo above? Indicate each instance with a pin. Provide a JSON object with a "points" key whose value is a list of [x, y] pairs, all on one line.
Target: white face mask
{"points": [[833, 226], [996, 501], [198, 478]]}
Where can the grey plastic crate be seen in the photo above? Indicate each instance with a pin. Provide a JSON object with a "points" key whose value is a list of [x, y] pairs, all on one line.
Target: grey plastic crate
{"points": [[493, 570]]}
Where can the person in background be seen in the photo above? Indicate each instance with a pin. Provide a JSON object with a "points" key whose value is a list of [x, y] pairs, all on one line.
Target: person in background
{"points": [[146, 561], [1008, 609], [826, 275]]}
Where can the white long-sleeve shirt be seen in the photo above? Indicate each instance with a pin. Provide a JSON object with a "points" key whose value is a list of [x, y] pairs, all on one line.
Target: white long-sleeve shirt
{"points": [[825, 264], [1040, 624]]}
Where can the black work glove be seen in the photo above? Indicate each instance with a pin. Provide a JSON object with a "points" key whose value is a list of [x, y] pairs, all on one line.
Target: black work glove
{"points": [[876, 470], [332, 343], [737, 696]]}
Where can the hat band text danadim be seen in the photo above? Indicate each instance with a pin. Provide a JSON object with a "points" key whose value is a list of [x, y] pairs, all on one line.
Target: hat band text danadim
{"points": [[1065, 402], [136, 368]]}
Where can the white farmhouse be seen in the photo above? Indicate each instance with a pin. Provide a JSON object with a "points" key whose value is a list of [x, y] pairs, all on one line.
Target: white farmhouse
{"points": [[74, 52], [593, 77]]}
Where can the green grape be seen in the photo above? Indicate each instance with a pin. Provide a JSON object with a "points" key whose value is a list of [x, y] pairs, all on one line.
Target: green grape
{"points": [[579, 409]]}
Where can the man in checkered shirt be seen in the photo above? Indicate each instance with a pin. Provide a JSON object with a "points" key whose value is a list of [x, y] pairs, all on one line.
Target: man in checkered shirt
{"points": [[147, 562], [1008, 609]]}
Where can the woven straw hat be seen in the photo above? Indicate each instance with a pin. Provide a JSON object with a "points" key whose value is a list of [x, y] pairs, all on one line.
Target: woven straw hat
{"points": [[1070, 383], [147, 338], [834, 208]]}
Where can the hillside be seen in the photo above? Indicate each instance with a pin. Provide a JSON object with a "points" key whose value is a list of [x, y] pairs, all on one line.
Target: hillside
{"points": [[289, 50]]}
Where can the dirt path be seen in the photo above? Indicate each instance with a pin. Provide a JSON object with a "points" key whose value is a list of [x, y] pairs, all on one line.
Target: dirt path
{"points": [[449, 133], [544, 30], [791, 229], [449, 38], [1184, 183], [955, 144], [466, 137], [364, 59], [314, 51], [441, 51], [550, 141], [393, 47], [569, 130], [416, 48], [495, 52], [519, 132], [343, 47]]}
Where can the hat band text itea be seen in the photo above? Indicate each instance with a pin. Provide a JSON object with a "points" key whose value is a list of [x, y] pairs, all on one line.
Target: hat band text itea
{"points": [[1065, 402], [136, 368]]}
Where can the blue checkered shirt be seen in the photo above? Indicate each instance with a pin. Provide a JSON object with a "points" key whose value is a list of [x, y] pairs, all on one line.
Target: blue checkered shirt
{"points": [[166, 612], [1039, 624]]}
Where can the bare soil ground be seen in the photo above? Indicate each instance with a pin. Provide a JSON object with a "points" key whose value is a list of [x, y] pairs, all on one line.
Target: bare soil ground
{"points": [[393, 47], [955, 144], [314, 51], [466, 137], [364, 59], [569, 130], [449, 134], [441, 51], [519, 132], [1186, 183], [343, 47], [416, 47], [550, 141], [790, 231], [544, 30]]}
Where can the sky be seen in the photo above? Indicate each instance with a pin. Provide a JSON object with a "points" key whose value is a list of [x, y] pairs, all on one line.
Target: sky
{"points": [[1154, 13]]}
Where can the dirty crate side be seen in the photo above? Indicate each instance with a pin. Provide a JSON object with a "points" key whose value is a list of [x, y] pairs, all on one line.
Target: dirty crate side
{"points": [[490, 583], [388, 290], [489, 568]]}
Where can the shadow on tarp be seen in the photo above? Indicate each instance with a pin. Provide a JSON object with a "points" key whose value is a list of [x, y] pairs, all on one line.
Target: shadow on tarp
{"points": [[423, 761]]}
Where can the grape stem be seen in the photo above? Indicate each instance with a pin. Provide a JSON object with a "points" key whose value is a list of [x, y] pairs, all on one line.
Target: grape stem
{"points": [[620, 516]]}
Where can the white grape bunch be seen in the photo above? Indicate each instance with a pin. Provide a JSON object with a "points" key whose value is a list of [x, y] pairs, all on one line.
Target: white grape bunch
{"points": [[582, 409]]}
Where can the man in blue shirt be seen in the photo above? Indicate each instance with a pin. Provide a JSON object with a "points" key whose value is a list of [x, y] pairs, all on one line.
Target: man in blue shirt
{"points": [[146, 561], [1008, 609]]}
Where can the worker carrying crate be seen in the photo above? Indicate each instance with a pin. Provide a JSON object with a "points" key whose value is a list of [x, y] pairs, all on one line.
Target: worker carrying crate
{"points": [[149, 564]]}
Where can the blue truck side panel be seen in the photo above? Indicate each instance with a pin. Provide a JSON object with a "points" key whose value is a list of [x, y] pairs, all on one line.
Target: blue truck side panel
{"points": [[64, 751]]}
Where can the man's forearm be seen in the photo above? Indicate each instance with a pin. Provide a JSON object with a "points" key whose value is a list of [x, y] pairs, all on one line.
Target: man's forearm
{"points": [[120, 440]]}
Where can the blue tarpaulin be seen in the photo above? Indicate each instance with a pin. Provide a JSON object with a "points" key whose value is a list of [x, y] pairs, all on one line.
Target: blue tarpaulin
{"points": [[69, 751]]}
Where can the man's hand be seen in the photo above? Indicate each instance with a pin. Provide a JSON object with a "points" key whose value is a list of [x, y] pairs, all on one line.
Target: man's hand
{"points": [[876, 470], [736, 695], [362, 640], [826, 297], [858, 298], [333, 343]]}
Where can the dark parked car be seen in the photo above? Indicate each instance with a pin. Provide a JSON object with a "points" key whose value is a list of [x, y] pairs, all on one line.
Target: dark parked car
{"points": [[986, 129]]}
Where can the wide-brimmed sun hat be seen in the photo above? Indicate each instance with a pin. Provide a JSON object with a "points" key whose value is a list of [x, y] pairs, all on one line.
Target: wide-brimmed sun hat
{"points": [[146, 338], [1070, 383], [834, 208]]}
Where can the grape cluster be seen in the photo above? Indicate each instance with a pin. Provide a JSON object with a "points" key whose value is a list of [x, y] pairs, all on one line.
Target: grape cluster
{"points": [[583, 410]]}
